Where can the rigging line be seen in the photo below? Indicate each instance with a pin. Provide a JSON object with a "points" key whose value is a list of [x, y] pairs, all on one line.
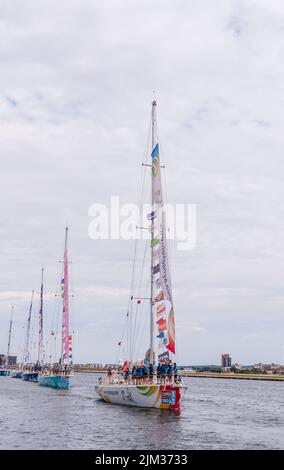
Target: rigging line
{"points": [[123, 332], [120, 341], [141, 191], [23, 342], [141, 273], [139, 339], [56, 330], [142, 336], [138, 289], [140, 280], [33, 341], [55, 306], [129, 309], [33, 332], [56, 316], [139, 294]]}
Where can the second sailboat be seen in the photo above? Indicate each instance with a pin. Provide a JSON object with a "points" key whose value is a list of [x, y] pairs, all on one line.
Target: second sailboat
{"points": [[58, 375]]}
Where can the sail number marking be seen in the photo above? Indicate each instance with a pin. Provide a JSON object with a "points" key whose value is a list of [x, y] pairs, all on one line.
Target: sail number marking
{"points": [[162, 459]]}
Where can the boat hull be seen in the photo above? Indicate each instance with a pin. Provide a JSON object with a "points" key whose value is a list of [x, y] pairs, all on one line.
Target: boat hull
{"points": [[166, 397], [16, 374], [30, 376], [54, 381], [4, 373]]}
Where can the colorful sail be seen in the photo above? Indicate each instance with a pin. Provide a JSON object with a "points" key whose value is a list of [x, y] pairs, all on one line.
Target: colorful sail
{"points": [[161, 274], [70, 350], [66, 338]]}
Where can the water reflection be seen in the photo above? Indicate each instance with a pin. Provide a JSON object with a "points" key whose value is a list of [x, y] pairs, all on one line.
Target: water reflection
{"points": [[216, 414]]}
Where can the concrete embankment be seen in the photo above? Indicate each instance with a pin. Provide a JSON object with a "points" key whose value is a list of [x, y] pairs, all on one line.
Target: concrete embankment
{"points": [[277, 378], [205, 375]]}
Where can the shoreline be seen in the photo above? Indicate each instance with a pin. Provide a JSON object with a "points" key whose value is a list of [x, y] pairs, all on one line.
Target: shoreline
{"points": [[206, 375]]}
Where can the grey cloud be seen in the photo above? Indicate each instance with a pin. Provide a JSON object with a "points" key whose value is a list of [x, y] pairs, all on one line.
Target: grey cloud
{"points": [[81, 75]]}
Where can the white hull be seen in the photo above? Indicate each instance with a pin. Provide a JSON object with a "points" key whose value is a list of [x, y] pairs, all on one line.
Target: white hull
{"points": [[167, 397]]}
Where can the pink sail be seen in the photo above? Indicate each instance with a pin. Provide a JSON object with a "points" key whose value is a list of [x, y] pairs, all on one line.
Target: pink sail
{"points": [[66, 339]]}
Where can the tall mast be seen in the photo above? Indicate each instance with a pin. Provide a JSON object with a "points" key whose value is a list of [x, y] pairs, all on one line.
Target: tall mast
{"points": [[40, 330], [154, 104], [9, 338], [65, 316], [26, 352]]}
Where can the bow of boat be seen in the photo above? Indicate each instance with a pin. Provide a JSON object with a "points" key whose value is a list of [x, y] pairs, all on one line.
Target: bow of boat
{"points": [[162, 396]]}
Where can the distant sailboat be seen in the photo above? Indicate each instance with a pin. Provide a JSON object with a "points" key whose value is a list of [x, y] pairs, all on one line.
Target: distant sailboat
{"points": [[154, 390], [18, 374], [31, 371], [5, 371], [58, 375]]}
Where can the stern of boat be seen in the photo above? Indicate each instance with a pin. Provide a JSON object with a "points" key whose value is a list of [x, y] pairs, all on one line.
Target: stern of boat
{"points": [[4, 373], [165, 397], [55, 381]]}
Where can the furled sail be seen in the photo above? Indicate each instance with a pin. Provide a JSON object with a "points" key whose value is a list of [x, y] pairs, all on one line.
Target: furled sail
{"points": [[161, 275], [40, 332], [66, 337]]}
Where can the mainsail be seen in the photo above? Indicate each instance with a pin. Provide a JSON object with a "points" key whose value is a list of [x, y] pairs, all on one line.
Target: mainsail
{"points": [[162, 321], [66, 337], [162, 289]]}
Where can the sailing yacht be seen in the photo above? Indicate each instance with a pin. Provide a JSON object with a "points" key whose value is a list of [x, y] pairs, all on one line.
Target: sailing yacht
{"points": [[31, 371], [58, 375], [5, 371], [153, 391]]}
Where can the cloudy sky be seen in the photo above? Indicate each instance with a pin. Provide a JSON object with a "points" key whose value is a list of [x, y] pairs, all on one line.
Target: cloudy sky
{"points": [[76, 86]]}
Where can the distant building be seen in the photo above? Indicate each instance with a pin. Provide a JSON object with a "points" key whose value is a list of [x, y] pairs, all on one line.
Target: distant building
{"points": [[226, 362], [269, 368], [12, 360], [187, 369]]}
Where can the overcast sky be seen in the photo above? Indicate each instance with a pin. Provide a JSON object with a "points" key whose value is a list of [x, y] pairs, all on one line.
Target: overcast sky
{"points": [[76, 85]]}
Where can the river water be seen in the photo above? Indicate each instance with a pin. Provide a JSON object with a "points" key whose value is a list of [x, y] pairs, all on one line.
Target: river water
{"points": [[216, 414]]}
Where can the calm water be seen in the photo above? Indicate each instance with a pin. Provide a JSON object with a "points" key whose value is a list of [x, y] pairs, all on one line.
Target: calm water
{"points": [[217, 414]]}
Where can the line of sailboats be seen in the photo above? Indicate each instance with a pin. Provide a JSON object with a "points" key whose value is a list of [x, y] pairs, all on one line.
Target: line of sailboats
{"points": [[153, 391], [54, 375]]}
